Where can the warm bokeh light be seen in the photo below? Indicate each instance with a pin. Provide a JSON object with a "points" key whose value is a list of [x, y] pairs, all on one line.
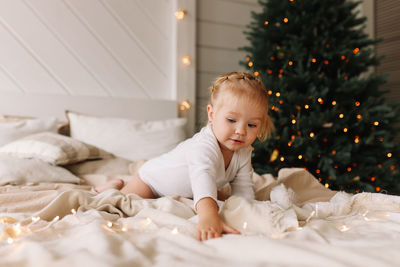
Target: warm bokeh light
{"points": [[180, 14]]}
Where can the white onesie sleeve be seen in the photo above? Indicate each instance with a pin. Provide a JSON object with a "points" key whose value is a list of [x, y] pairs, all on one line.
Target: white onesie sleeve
{"points": [[203, 163], [242, 185]]}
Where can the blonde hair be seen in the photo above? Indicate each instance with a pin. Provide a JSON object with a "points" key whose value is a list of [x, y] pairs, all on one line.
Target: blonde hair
{"points": [[244, 85]]}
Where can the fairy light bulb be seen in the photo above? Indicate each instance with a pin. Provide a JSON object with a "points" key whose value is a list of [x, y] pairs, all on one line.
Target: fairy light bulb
{"points": [[356, 50], [148, 221], [306, 106], [266, 22], [334, 103], [341, 115], [356, 139], [278, 94], [185, 105], [180, 14], [285, 20], [312, 134], [250, 64], [293, 121], [343, 228], [186, 60], [313, 60], [282, 159], [376, 123], [389, 155], [290, 63], [357, 104], [175, 231], [345, 130]]}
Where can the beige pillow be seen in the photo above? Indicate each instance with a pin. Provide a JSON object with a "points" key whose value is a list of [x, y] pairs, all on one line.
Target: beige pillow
{"points": [[13, 128], [108, 166], [19, 171], [53, 148]]}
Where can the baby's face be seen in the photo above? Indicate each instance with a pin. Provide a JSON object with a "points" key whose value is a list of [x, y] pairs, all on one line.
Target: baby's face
{"points": [[235, 122]]}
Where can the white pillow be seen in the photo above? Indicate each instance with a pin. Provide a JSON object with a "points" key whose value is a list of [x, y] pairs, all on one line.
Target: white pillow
{"points": [[53, 148], [16, 129], [130, 139], [19, 171]]}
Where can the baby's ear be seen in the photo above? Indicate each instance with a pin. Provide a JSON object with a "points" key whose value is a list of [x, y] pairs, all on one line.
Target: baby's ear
{"points": [[210, 112]]}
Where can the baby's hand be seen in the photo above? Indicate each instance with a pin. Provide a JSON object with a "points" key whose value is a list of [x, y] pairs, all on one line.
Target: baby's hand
{"points": [[211, 226]]}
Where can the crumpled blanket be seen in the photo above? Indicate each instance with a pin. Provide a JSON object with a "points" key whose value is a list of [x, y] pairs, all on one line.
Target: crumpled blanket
{"points": [[293, 214]]}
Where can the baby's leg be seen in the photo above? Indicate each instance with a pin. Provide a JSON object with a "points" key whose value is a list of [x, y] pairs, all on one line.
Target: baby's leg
{"points": [[113, 184], [138, 187]]}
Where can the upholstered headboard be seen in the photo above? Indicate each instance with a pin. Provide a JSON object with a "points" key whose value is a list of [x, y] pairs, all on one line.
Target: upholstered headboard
{"points": [[102, 57]]}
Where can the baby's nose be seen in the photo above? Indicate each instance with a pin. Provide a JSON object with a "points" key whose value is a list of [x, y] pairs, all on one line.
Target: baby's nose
{"points": [[241, 130]]}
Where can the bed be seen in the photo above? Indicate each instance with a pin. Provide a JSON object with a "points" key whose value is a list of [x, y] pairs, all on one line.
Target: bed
{"points": [[57, 145]]}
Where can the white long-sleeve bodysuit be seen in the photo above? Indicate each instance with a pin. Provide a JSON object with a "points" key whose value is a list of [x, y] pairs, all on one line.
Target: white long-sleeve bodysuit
{"points": [[196, 169]]}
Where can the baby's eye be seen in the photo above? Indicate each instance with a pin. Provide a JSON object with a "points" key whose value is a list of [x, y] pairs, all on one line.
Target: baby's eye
{"points": [[231, 120], [251, 125]]}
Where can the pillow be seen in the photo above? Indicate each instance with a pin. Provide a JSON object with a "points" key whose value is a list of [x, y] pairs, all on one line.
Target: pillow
{"points": [[130, 139], [102, 166], [19, 171], [53, 148], [13, 128]]}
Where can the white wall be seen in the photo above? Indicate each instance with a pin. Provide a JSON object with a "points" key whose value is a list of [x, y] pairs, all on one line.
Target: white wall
{"points": [[110, 48], [220, 26], [75, 53]]}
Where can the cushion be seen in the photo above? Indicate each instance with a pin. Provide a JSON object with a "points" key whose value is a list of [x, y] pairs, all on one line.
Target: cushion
{"points": [[130, 139], [19, 171], [53, 148], [13, 128], [109, 166]]}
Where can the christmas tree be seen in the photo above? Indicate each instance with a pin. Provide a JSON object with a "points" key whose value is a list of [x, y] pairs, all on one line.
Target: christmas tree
{"points": [[330, 116]]}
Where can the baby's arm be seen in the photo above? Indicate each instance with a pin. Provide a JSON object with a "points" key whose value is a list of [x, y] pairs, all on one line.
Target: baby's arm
{"points": [[210, 225]]}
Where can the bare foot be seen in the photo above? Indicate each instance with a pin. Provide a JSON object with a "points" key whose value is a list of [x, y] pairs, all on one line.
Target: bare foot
{"points": [[113, 184]]}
